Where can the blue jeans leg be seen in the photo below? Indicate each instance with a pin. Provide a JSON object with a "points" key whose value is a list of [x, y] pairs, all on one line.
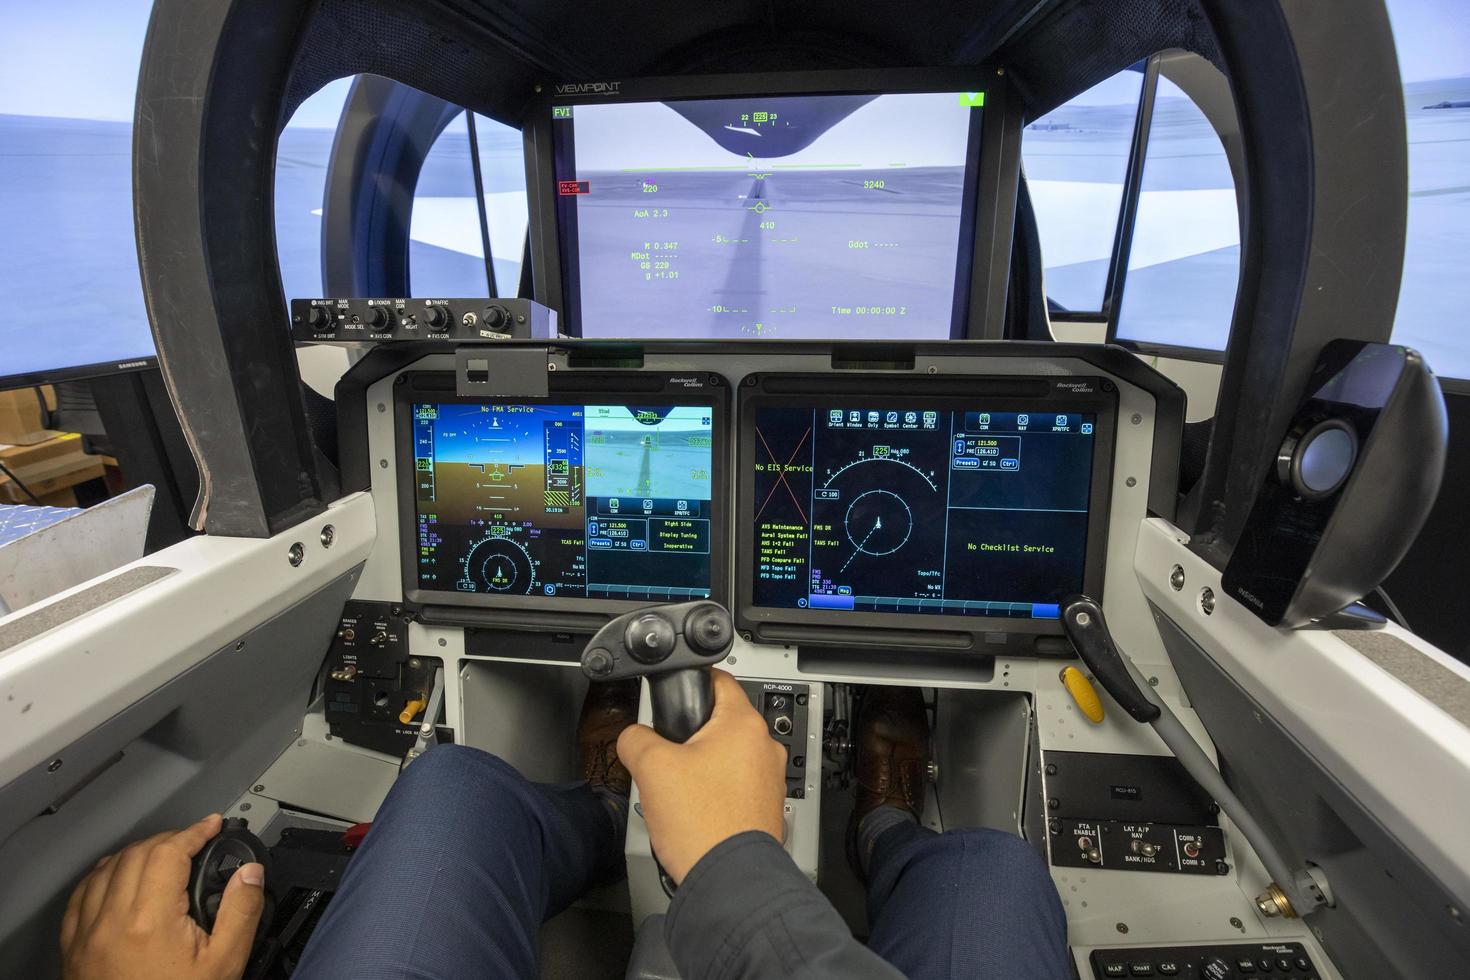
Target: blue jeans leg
{"points": [[966, 903], [464, 861]]}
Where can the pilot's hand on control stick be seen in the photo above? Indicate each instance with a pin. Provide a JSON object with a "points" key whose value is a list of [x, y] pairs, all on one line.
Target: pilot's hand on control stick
{"points": [[728, 778], [129, 919]]}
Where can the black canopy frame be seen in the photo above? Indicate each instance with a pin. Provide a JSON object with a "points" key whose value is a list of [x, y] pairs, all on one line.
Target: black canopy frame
{"points": [[1317, 95]]}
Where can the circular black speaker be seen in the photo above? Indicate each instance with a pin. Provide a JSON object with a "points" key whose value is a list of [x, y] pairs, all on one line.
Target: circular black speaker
{"points": [[1316, 461]]}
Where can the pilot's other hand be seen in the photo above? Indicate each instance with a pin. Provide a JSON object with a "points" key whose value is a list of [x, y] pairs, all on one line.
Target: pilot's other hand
{"points": [[728, 778], [129, 919]]}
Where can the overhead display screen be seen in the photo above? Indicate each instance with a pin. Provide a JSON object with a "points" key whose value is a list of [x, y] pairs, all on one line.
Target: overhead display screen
{"points": [[563, 500], [913, 507], [807, 216]]}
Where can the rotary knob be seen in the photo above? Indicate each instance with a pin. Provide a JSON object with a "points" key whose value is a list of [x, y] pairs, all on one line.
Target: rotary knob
{"points": [[1215, 968], [437, 317], [318, 317], [376, 317], [496, 318]]}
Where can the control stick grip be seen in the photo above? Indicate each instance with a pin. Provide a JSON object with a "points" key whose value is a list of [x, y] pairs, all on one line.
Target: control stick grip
{"points": [[682, 702], [217, 861], [673, 646], [1082, 618]]}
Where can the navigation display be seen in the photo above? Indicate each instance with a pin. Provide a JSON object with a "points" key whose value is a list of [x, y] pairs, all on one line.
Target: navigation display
{"points": [[799, 216], [592, 501], [922, 507]]}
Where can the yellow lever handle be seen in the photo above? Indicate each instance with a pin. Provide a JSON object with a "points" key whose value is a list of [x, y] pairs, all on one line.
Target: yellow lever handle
{"points": [[411, 710], [1083, 694]]}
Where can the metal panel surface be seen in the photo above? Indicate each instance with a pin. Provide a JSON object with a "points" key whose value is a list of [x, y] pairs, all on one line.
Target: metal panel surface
{"points": [[1391, 917], [323, 774], [76, 548], [179, 751], [981, 744], [55, 687], [1404, 759], [524, 713]]}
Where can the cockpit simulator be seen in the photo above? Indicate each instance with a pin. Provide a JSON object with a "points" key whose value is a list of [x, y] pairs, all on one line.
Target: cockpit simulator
{"points": [[778, 394]]}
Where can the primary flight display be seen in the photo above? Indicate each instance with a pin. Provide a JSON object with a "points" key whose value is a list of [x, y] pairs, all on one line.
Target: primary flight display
{"points": [[587, 501], [919, 508]]}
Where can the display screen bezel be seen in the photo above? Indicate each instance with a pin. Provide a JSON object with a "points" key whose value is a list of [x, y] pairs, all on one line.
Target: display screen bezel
{"points": [[1094, 395], [990, 210], [705, 391]]}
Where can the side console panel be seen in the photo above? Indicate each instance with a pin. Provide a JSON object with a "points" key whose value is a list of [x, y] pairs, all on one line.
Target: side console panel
{"points": [[1219, 961], [376, 691], [784, 706], [195, 742], [1392, 919], [1130, 813]]}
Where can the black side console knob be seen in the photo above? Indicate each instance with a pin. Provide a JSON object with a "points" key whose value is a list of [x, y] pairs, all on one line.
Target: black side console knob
{"points": [[221, 856], [318, 317]]}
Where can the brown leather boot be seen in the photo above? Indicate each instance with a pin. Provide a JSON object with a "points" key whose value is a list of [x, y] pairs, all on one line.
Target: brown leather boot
{"points": [[892, 761], [608, 709]]}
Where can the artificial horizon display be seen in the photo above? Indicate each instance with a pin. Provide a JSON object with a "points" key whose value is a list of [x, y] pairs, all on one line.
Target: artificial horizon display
{"points": [[601, 501]]}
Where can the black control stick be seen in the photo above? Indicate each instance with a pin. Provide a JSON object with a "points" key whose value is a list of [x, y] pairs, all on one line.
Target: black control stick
{"points": [[671, 646], [217, 861]]}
